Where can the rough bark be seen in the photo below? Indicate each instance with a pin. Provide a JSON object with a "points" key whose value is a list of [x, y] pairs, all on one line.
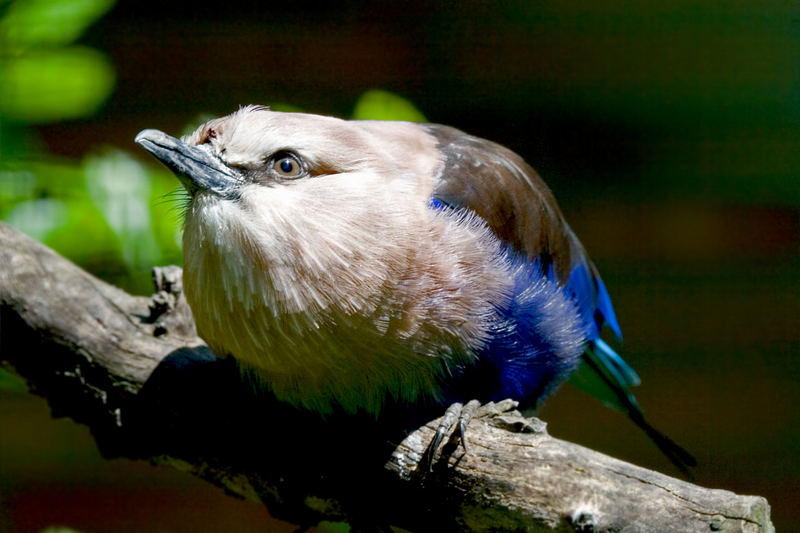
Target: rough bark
{"points": [[133, 370]]}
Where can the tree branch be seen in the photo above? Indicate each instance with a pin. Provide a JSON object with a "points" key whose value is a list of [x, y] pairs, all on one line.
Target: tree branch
{"points": [[133, 370]]}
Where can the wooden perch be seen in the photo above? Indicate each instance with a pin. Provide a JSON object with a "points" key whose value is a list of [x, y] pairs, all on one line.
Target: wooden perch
{"points": [[133, 370]]}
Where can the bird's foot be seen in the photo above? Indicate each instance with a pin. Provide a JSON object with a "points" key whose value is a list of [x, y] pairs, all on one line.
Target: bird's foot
{"points": [[461, 414], [455, 413]]}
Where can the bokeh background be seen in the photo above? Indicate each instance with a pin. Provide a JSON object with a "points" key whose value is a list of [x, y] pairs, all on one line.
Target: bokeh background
{"points": [[669, 132]]}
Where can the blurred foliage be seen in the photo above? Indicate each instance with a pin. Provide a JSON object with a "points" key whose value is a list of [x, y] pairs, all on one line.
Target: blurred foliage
{"points": [[43, 77], [383, 105], [35, 23], [11, 383], [331, 527], [46, 86]]}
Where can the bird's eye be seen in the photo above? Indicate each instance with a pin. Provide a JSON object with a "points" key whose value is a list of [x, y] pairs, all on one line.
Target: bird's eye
{"points": [[287, 165]]}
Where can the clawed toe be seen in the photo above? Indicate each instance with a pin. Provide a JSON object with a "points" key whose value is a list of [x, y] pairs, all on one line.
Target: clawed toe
{"points": [[455, 413]]}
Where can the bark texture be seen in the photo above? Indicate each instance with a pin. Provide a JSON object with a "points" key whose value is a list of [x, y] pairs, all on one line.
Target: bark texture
{"points": [[133, 369]]}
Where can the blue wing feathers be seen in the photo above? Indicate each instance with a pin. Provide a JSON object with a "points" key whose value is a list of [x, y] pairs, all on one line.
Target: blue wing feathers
{"points": [[582, 289], [593, 299], [605, 308]]}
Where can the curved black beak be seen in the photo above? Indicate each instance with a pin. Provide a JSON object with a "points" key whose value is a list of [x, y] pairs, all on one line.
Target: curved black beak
{"points": [[196, 167]]}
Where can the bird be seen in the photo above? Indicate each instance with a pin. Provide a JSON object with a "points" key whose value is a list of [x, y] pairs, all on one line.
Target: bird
{"points": [[353, 264]]}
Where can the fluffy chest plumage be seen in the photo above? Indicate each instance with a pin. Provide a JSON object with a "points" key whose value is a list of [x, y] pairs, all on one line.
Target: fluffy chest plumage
{"points": [[347, 300]]}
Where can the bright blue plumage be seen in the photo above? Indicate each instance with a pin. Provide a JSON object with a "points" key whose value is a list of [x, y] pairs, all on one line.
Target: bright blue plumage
{"points": [[605, 309], [539, 337]]}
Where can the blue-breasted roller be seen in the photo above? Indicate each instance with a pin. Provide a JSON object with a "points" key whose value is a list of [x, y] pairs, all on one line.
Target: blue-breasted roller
{"points": [[349, 264]]}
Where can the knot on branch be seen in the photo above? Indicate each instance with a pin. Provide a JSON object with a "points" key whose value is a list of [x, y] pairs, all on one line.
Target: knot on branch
{"points": [[169, 310]]}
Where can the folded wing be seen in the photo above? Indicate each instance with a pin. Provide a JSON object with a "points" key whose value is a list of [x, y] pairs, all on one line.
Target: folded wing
{"points": [[517, 205]]}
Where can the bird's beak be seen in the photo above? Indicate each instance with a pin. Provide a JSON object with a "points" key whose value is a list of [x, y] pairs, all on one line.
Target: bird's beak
{"points": [[196, 167]]}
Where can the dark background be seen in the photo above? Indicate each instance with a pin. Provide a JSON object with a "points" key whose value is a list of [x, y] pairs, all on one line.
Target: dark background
{"points": [[669, 133]]}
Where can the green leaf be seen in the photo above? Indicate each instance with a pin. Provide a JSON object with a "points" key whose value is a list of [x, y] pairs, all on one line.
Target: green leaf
{"points": [[11, 383], [52, 86], [16, 185], [121, 189], [167, 204], [333, 527], [48, 22], [38, 218], [383, 105]]}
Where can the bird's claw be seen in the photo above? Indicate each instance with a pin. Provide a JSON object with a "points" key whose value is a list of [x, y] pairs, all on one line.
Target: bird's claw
{"points": [[457, 412]]}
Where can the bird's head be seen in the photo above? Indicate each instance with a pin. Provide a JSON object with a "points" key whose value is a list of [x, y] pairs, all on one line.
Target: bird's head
{"points": [[259, 147]]}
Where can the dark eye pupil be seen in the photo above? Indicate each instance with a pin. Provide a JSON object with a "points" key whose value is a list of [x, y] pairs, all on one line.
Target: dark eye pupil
{"points": [[287, 165]]}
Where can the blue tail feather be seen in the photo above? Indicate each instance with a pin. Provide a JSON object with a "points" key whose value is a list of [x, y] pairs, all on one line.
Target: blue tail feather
{"points": [[623, 373]]}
